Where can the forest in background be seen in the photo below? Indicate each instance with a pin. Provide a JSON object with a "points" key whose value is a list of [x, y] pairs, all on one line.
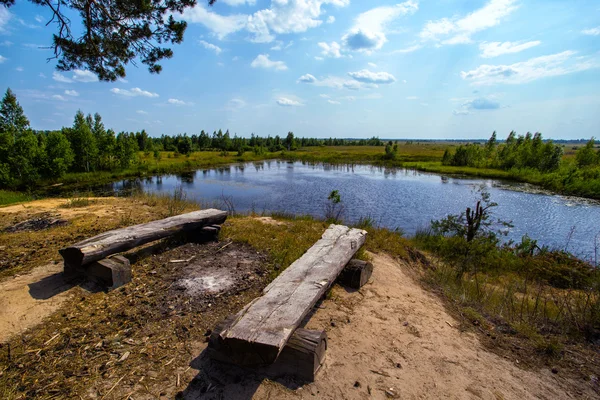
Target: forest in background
{"points": [[87, 151]]}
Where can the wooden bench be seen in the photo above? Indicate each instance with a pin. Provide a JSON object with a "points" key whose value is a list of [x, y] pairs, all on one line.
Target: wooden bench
{"points": [[89, 257], [262, 332]]}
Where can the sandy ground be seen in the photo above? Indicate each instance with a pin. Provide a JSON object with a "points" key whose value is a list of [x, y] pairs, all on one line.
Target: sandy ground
{"points": [[393, 339], [26, 299]]}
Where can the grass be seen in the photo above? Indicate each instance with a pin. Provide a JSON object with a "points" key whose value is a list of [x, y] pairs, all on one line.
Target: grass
{"points": [[9, 197]]}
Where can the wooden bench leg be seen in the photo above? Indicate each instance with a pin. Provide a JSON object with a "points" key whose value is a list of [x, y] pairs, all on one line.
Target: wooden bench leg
{"points": [[300, 358], [356, 274], [111, 272]]}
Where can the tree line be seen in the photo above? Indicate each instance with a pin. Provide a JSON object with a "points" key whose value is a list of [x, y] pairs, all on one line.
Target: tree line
{"points": [[27, 155], [523, 151]]}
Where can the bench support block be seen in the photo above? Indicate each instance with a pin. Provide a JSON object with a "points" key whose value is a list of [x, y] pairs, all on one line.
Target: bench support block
{"points": [[356, 274], [301, 358]]}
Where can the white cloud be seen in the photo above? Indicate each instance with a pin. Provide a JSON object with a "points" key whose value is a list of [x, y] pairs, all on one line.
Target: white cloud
{"points": [[280, 45], [282, 17], [335, 82], [307, 78], [60, 78], [142, 112], [42, 75], [412, 98], [333, 102], [59, 97], [2, 59], [530, 70], [368, 32], [263, 61], [477, 104], [461, 112], [331, 19], [287, 16], [5, 16], [220, 25], [330, 50], [235, 3], [84, 76], [210, 46], [235, 104], [461, 29], [6, 43], [19, 69], [319, 58], [592, 31], [178, 102], [409, 49], [495, 49], [372, 65], [73, 93], [133, 92], [324, 96], [39, 18], [287, 102], [481, 103], [367, 76]]}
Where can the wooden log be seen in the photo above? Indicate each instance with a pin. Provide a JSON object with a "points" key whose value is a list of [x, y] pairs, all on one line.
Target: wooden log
{"points": [[111, 272], [265, 325], [301, 358], [356, 274], [116, 241]]}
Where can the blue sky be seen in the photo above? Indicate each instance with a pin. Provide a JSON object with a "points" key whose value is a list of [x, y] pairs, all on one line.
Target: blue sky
{"points": [[336, 68]]}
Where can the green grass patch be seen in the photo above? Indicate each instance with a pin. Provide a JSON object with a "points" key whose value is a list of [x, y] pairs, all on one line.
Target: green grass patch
{"points": [[9, 197]]}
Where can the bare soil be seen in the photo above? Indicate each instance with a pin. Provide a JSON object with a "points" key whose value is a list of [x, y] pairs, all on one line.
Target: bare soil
{"points": [[390, 339]]}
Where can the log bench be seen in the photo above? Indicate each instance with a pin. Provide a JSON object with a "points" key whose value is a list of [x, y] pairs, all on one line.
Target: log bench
{"points": [[90, 258], [265, 335]]}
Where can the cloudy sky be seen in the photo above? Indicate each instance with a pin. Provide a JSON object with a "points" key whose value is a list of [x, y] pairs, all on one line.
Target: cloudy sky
{"points": [[341, 68]]}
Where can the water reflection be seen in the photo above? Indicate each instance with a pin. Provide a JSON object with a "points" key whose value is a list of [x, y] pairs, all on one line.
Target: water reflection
{"points": [[402, 198]]}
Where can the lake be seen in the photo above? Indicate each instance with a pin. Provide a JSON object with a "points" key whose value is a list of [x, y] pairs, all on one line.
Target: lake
{"points": [[393, 198]]}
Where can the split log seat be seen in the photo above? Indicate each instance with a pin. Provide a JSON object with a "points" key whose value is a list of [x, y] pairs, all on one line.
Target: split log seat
{"points": [[88, 258], [259, 333]]}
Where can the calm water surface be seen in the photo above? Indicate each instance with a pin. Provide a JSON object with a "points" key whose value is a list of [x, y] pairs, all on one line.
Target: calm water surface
{"points": [[394, 198]]}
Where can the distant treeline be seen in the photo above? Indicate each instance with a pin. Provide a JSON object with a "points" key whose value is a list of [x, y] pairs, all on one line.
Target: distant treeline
{"points": [[26, 155], [521, 152]]}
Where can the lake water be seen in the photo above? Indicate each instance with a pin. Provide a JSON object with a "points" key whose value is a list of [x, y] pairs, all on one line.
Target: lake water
{"points": [[394, 198]]}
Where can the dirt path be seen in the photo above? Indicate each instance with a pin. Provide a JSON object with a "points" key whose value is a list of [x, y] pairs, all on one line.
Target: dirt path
{"points": [[27, 299], [394, 336]]}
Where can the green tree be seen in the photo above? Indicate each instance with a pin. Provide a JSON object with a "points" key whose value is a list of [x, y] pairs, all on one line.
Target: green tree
{"points": [[12, 117], [586, 156], [290, 142], [25, 158], [126, 149], [59, 155], [83, 144], [18, 145], [185, 145]]}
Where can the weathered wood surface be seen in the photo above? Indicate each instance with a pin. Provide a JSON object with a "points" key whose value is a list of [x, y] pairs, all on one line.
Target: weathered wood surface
{"points": [[111, 272], [356, 274], [265, 325], [301, 357], [116, 241]]}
